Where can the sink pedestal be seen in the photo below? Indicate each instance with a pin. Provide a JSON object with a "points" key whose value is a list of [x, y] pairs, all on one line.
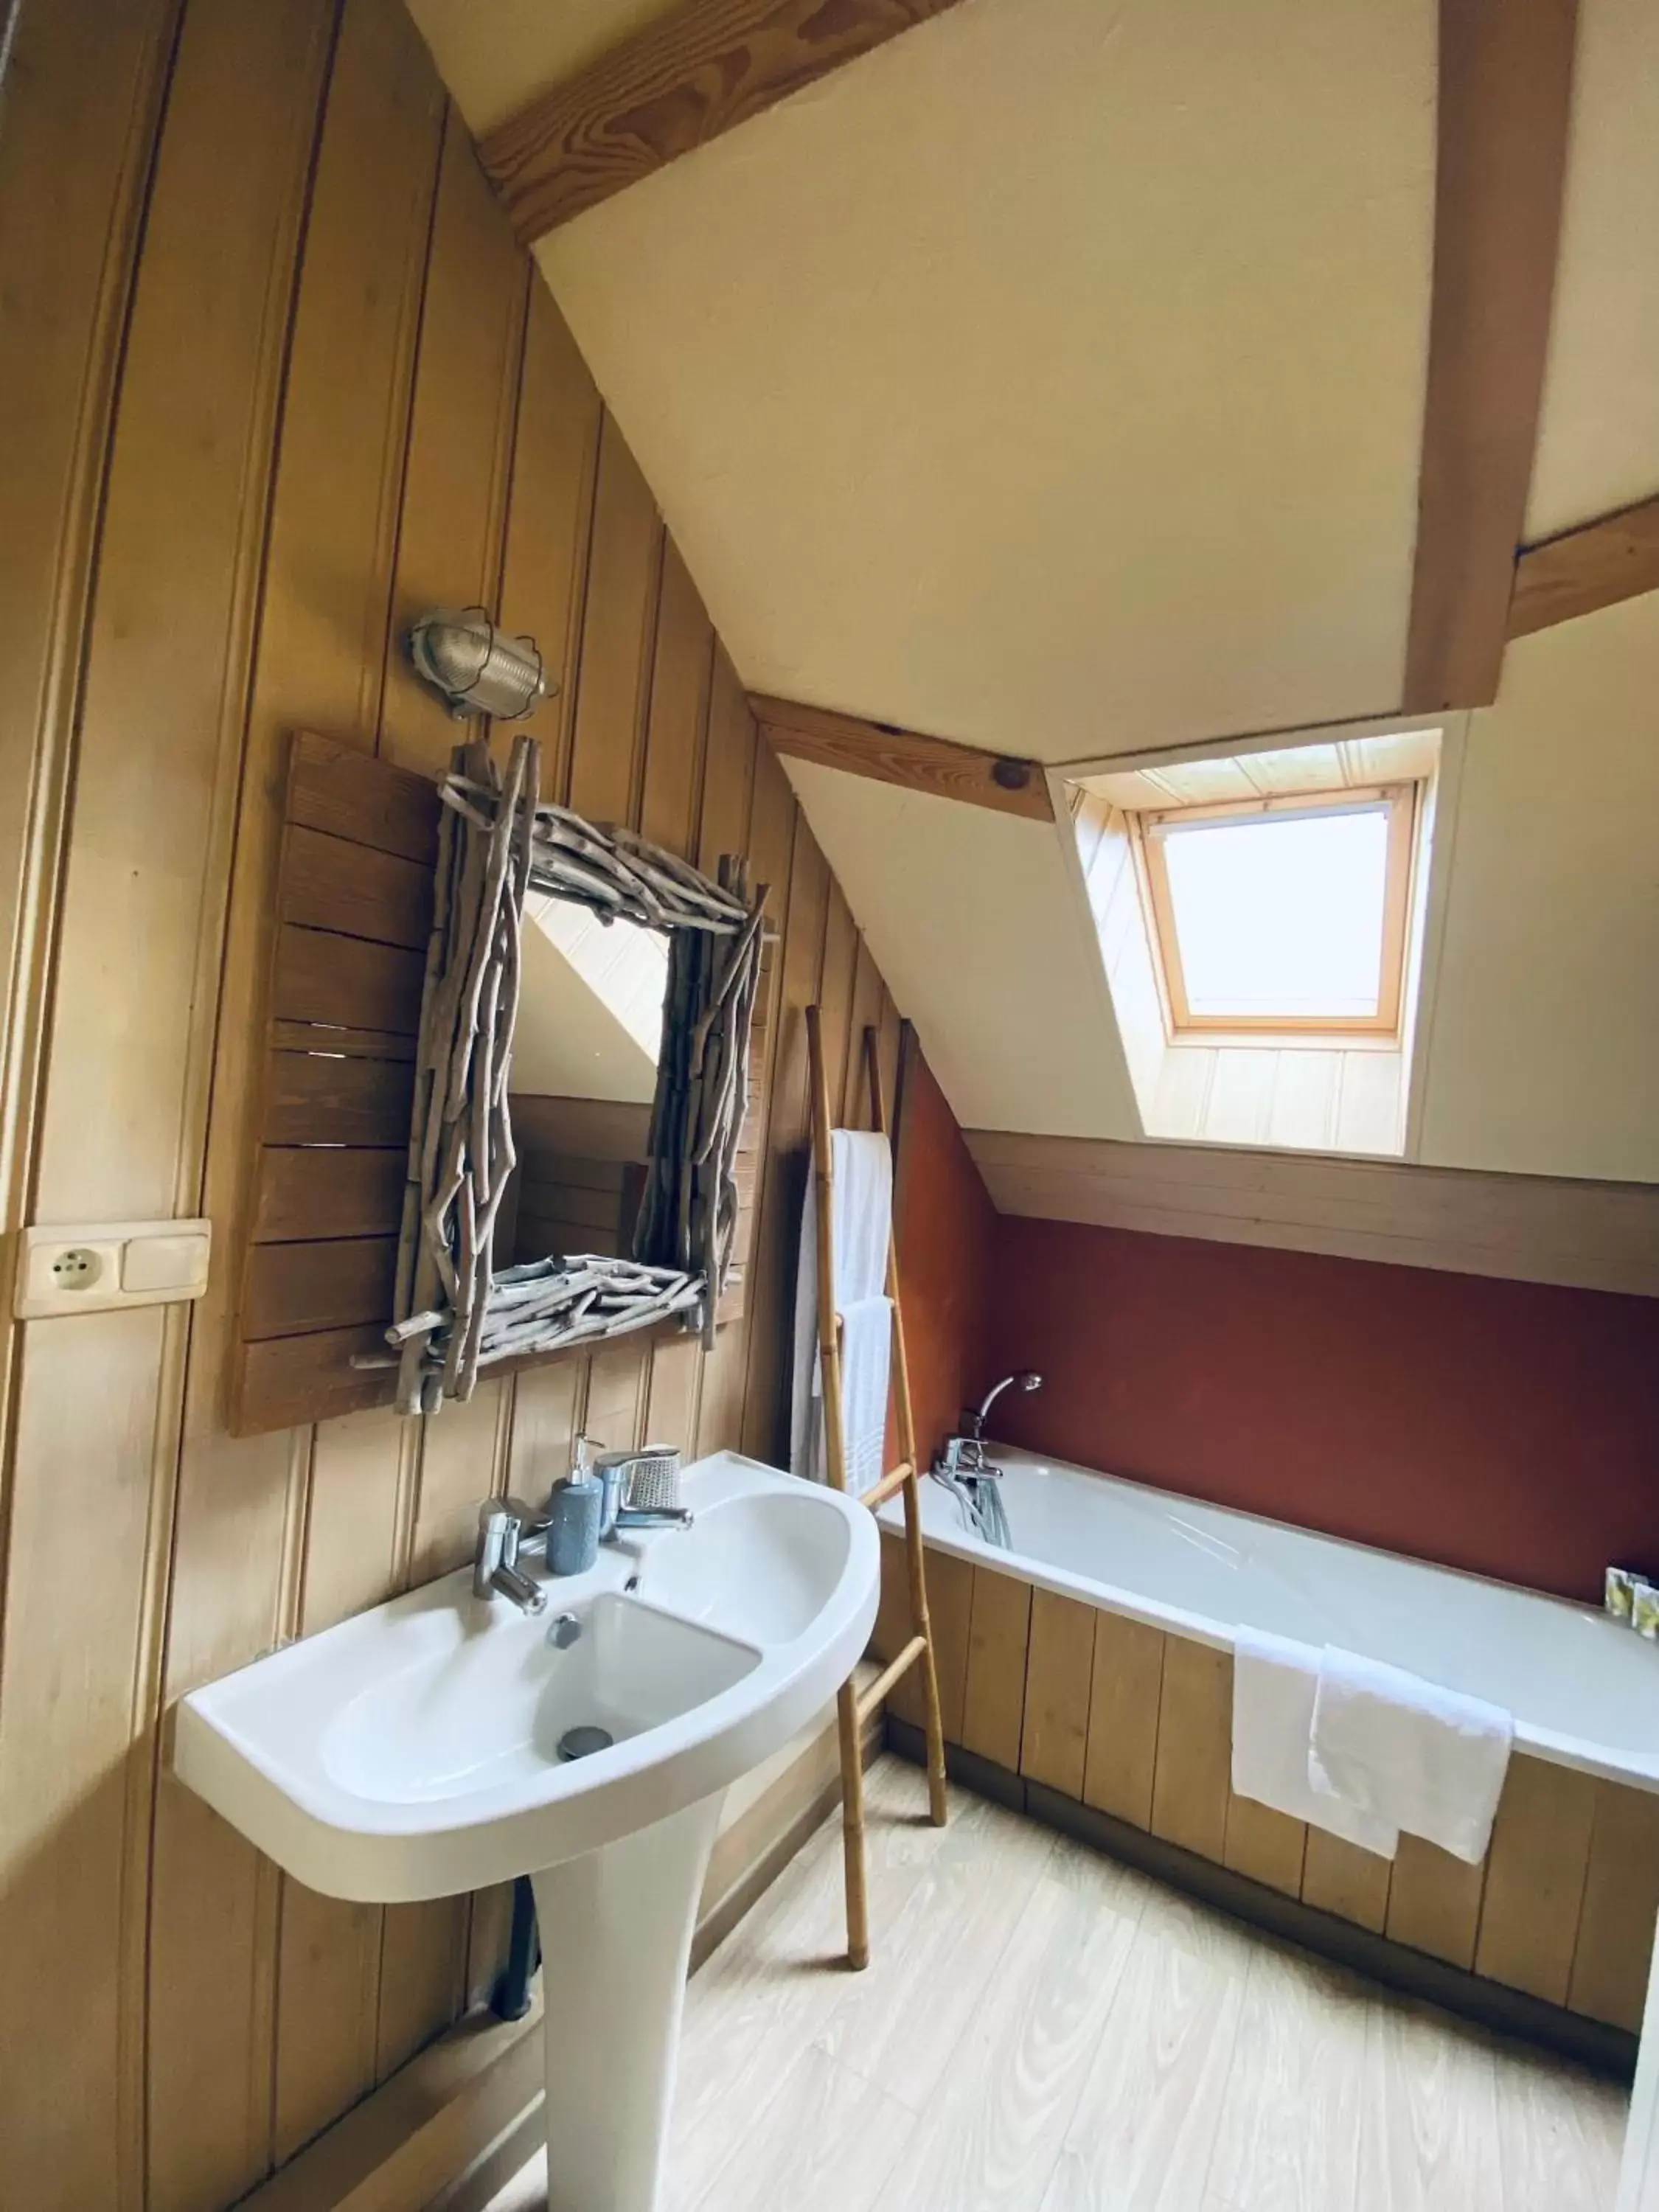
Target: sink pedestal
{"points": [[616, 1928]]}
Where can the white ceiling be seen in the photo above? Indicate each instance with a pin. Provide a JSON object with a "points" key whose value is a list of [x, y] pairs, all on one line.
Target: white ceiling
{"points": [[1052, 378]]}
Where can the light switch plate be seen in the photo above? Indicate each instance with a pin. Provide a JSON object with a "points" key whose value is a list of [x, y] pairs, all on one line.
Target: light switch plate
{"points": [[91, 1268]]}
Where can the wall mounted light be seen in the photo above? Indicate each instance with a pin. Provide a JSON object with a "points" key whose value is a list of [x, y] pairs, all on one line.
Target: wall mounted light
{"points": [[462, 654]]}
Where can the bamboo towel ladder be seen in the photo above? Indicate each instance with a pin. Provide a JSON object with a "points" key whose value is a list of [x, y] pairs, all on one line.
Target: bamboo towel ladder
{"points": [[852, 1709]]}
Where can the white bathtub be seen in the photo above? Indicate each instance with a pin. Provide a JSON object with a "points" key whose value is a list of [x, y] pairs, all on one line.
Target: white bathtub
{"points": [[1583, 1690]]}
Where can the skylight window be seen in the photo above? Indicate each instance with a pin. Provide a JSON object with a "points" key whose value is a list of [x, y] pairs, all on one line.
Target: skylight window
{"points": [[1282, 914]]}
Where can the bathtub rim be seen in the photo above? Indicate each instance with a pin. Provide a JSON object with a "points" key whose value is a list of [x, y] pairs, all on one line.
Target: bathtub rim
{"points": [[1638, 1771]]}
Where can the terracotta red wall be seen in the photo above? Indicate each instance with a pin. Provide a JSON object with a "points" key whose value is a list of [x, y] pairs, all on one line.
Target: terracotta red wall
{"points": [[946, 1227], [1509, 1428]]}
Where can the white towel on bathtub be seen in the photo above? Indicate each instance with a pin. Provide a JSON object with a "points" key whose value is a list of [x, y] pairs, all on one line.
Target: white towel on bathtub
{"points": [[1274, 1685], [1430, 1760]]}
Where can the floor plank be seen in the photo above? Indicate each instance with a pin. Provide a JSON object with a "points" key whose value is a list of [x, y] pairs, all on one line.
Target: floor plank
{"points": [[1044, 2030]]}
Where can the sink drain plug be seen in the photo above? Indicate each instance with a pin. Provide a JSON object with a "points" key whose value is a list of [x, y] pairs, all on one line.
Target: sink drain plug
{"points": [[581, 1741]]}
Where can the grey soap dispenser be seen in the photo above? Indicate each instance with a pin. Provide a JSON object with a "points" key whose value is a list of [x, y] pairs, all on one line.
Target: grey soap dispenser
{"points": [[572, 1516]]}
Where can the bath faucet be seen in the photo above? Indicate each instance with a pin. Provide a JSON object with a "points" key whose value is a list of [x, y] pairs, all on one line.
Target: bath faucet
{"points": [[503, 1524], [964, 1453]]}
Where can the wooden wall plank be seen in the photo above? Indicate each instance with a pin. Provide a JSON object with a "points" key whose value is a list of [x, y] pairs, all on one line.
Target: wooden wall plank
{"points": [[332, 884], [1195, 1748], [550, 517], [323, 1098], [1434, 1902], [1596, 565], [336, 788], [339, 1284], [1059, 1668], [319, 667], [678, 82], [624, 566], [865, 1013], [1267, 1845], [1614, 1945], [347, 981], [1506, 81], [284, 1383], [1535, 1876], [1125, 1690], [308, 1194], [678, 718], [993, 1695], [1339, 1877], [729, 766]]}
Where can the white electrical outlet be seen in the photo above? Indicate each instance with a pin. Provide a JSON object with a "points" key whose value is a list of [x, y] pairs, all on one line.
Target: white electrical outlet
{"points": [[91, 1269]]}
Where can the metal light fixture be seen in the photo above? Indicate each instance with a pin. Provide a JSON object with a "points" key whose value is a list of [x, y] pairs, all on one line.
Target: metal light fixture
{"points": [[461, 653]]}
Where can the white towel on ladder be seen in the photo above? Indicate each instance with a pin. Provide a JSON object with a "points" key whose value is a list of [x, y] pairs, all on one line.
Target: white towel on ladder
{"points": [[861, 1219]]}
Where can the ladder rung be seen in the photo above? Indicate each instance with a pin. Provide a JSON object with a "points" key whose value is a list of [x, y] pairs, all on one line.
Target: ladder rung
{"points": [[895, 1479], [869, 1698]]}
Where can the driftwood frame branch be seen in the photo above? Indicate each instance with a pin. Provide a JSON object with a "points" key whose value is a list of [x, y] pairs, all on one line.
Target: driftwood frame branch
{"points": [[455, 1312]]}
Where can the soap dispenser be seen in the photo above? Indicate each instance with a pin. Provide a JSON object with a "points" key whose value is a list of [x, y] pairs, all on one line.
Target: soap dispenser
{"points": [[572, 1516]]}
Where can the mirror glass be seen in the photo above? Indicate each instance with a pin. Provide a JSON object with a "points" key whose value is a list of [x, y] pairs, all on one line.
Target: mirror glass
{"points": [[584, 1075]]}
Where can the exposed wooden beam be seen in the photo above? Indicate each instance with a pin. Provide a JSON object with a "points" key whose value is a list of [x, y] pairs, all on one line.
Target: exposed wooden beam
{"points": [[1506, 84], [937, 765], [680, 81], [1595, 566]]}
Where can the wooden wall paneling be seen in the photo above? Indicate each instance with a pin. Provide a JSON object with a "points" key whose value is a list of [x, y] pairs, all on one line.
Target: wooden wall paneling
{"points": [[624, 567], [865, 1013], [1195, 1748], [843, 1045], [1059, 1670], [1125, 1690], [675, 84], [310, 1192], [616, 1396], [454, 514], [950, 1607], [1434, 1902], [1596, 565], [1614, 1945], [550, 516], [331, 883], [994, 1689], [1505, 82], [728, 766], [1339, 1877], [677, 726], [126, 1072], [319, 665], [294, 1290], [1536, 1870], [316, 1098], [770, 1295], [1267, 1845]]}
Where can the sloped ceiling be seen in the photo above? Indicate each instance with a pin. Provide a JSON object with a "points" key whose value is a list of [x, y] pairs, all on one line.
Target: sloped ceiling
{"points": [[1052, 378]]}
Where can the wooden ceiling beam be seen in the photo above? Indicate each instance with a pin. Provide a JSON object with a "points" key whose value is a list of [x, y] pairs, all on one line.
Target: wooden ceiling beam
{"points": [[682, 81], [1615, 557], [937, 765], [1505, 89]]}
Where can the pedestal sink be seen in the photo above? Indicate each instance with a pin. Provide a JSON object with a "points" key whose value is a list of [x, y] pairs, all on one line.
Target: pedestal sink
{"points": [[414, 1751]]}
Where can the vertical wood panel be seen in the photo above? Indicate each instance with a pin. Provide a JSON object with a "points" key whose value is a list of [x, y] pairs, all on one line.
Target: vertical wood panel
{"points": [[678, 721], [1195, 1748], [993, 1698], [623, 568], [867, 992], [1267, 1845], [950, 1606], [1621, 1898], [1535, 1874], [320, 664], [1126, 1688], [1434, 1901], [1339, 1877], [729, 766], [1059, 1666]]}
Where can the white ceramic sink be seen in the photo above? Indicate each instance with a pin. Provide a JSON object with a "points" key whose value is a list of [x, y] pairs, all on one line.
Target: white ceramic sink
{"points": [[413, 1752]]}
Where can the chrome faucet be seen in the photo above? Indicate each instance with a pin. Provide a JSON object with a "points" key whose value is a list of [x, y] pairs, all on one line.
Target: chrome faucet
{"points": [[503, 1524], [962, 1468]]}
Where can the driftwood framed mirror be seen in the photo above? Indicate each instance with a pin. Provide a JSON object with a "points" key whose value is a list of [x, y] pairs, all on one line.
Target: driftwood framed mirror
{"points": [[638, 976]]}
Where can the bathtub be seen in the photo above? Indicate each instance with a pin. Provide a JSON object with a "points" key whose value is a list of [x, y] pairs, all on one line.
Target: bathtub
{"points": [[1584, 1690], [1087, 1675]]}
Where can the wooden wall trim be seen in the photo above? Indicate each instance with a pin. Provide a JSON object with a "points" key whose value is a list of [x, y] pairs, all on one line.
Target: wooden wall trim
{"points": [[681, 82], [1505, 82], [937, 765], [1529, 1229], [1596, 565]]}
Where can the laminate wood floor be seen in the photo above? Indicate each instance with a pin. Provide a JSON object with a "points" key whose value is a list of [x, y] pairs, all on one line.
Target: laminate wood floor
{"points": [[1041, 2030]]}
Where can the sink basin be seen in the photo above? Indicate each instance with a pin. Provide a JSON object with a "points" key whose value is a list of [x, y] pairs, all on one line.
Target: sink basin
{"points": [[416, 1751]]}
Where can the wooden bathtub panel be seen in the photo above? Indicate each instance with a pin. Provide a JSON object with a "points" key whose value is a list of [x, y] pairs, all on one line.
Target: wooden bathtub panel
{"points": [[1058, 1674], [1268, 1846], [1434, 1902], [1339, 1877], [950, 1607], [1190, 1782], [1621, 1898], [995, 1702], [1536, 1878], [1123, 1700]]}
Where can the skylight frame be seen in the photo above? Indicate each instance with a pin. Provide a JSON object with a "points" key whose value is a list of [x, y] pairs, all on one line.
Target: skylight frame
{"points": [[1150, 830]]}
